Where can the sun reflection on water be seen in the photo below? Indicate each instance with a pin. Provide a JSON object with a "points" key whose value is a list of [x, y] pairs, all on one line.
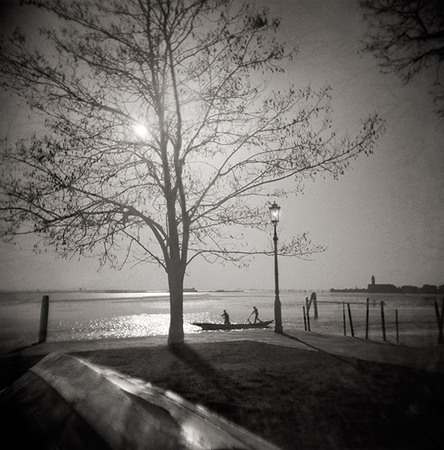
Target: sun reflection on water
{"points": [[125, 326]]}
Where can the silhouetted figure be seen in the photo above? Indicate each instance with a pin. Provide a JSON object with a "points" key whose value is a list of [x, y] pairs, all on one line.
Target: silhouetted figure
{"points": [[256, 315], [226, 318]]}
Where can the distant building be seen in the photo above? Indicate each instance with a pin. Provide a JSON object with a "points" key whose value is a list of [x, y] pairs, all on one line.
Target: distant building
{"points": [[383, 288], [429, 289], [374, 288], [409, 289]]}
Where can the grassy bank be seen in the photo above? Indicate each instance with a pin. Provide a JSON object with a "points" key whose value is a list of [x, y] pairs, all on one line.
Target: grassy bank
{"points": [[294, 398]]}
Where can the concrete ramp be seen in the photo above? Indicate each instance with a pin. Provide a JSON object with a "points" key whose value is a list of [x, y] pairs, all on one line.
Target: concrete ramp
{"points": [[66, 402]]}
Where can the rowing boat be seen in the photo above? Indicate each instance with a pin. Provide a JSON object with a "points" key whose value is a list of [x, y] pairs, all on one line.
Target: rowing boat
{"points": [[231, 326]]}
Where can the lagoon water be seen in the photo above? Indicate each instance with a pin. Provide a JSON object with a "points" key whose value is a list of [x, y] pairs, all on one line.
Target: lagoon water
{"points": [[85, 315]]}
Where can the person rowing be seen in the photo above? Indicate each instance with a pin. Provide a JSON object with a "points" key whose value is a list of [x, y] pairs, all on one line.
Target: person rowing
{"points": [[226, 318], [256, 315]]}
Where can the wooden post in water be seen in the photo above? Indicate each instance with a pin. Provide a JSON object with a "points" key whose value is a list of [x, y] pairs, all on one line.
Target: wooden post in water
{"points": [[397, 326], [308, 320], [351, 321], [305, 319], [442, 323], [307, 305], [383, 321], [343, 318], [440, 318], [366, 318], [44, 319], [315, 304]]}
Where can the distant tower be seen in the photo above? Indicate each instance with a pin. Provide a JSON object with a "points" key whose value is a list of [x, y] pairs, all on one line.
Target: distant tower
{"points": [[373, 279]]}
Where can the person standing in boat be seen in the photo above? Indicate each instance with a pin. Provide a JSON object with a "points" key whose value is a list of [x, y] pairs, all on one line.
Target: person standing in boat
{"points": [[226, 318], [256, 315]]}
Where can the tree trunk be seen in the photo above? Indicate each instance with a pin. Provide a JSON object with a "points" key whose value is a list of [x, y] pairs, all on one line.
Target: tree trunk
{"points": [[175, 282]]}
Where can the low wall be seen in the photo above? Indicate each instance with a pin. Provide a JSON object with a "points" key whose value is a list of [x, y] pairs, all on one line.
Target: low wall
{"points": [[66, 402]]}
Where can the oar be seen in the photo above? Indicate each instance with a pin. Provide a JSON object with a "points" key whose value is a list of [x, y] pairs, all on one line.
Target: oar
{"points": [[248, 318]]}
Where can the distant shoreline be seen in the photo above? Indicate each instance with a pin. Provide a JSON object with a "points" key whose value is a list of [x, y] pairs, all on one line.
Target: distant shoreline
{"points": [[392, 289], [375, 289]]}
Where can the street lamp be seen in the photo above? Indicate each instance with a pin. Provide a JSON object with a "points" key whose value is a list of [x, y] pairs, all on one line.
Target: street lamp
{"points": [[274, 213]]}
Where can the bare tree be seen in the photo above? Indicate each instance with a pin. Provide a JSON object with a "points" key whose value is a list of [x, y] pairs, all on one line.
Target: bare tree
{"points": [[215, 137], [407, 36]]}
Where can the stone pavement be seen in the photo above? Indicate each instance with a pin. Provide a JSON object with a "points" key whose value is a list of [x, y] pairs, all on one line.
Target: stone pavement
{"points": [[425, 358]]}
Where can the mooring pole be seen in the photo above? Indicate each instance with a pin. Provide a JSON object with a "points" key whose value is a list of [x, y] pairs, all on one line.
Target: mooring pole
{"points": [[383, 321], [44, 319], [351, 321], [308, 320], [440, 318], [366, 318], [397, 326], [343, 319], [441, 338], [315, 304], [441, 341], [305, 319]]}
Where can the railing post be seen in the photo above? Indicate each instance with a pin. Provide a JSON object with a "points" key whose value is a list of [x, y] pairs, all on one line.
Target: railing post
{"points": [[44, 319]]}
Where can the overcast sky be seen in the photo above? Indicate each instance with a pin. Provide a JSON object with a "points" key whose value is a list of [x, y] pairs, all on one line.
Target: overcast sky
{"points": [[384, 217]]}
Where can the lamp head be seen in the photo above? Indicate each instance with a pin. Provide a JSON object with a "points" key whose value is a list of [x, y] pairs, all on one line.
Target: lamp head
{"points": [[274, 212]]}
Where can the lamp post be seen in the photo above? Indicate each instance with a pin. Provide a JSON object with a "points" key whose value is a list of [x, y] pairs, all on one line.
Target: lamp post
{"points": [[274, 213]]}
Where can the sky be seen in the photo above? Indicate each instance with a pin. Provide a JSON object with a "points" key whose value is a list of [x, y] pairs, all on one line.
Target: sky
{"points": [[384, 217]]}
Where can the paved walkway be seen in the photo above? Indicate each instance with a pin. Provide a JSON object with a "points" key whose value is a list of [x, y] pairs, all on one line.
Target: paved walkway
{"points": [[426, 358], [429, 358]]}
